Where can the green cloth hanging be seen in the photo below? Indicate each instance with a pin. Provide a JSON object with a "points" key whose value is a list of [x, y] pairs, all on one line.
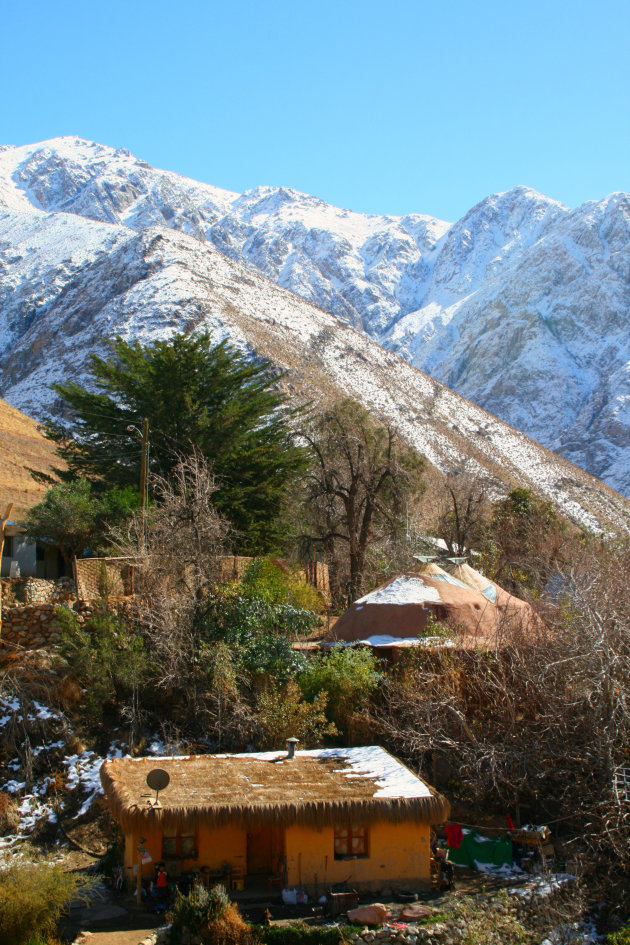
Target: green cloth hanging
{"points": [[475, 848]]}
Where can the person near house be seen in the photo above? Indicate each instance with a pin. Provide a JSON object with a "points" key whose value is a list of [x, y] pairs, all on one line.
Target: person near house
{"points": [[161, 882], [440, 856]]}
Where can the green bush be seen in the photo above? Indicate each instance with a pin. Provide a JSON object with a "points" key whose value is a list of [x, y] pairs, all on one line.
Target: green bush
{"points": [[348, 674], [266, 580], [32, 898], [258, 619], [284, 713], [199, 911], [107, 658], [301, 934], [620, 937]]}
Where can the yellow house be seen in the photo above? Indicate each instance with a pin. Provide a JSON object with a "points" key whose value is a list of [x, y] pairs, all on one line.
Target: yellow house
{"points": [[305, 818]]}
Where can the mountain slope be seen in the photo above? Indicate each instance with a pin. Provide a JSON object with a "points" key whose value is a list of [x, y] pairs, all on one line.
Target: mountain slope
{"points": [[22, 447], [522, 305], [82, 281]]}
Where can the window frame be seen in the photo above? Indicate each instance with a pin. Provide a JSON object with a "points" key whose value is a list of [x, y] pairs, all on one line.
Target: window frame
{"points": [[355, 831], [178, 837]]}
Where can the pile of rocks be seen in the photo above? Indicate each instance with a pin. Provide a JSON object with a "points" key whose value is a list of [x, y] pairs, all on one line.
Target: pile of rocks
{"points": [[394, 934]]}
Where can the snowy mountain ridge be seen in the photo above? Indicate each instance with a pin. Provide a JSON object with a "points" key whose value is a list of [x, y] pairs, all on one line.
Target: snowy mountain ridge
{"points": [[522, 305]]}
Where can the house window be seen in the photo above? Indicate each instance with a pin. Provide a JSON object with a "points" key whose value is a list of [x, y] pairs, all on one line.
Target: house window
{"points": [[351, 840], [178, 846]]}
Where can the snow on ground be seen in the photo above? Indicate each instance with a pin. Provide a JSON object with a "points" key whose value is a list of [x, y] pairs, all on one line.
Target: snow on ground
{"points": [[40, 803], [578, 933], [542, 886]]}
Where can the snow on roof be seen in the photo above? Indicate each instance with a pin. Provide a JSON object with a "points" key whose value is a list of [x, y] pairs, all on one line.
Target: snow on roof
{"points": [[315, 786], [405, 589], [386, 640], [372, 762]]}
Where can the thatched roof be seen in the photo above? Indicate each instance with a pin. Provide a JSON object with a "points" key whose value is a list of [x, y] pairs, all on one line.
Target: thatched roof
{"points": [[316, 787]]}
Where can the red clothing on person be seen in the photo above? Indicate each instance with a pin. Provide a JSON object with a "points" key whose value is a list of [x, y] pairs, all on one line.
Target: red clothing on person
{"points": [[162, 880], [454, 835]]}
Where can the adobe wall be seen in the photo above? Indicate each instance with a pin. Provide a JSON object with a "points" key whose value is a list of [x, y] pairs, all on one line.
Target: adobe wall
{"points": [[397, 853]]}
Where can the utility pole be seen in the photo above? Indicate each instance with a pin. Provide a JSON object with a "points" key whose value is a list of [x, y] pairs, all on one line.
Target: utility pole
{"points": [[144, 475], [144, 466]]}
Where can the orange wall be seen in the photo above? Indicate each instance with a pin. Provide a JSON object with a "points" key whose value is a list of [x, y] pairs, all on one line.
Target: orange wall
{"points": [[215, 845], [396, 852]]}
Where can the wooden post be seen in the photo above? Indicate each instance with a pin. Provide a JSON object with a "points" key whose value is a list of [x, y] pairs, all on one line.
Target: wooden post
{"points": [[139, 879], [144, 464]]}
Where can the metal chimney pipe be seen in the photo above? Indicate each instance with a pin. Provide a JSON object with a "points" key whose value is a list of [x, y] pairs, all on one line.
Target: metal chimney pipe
{"points": [[291, 744]]}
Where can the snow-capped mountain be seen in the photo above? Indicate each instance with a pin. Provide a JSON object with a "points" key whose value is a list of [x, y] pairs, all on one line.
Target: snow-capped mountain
{"points": [[522, 305]]}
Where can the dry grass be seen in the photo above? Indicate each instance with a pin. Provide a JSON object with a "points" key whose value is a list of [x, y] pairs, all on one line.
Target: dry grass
{"points": [[221, 788], [22, 447]]}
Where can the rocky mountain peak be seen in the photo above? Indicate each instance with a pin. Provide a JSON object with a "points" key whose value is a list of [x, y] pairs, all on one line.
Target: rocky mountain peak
{"points": [[522, 305]]}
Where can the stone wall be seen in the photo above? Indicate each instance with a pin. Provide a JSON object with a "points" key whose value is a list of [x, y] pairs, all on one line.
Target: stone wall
{"points": [[30, 625], [32, 590], [28, 608]]}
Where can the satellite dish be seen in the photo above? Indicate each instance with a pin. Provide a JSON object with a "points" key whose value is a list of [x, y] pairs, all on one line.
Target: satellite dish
{"points": [[157, 780]]}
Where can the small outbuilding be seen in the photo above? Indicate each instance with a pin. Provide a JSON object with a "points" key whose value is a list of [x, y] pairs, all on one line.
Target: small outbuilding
{"points": [[297, 818], [404, 611]]}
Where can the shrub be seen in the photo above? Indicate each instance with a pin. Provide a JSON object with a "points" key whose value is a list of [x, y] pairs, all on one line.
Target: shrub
{"points": [[32, 898], [283, 713], [107, 658], [348, 674], [620, 937], [9, 816], [302, 934], [266, 580], [257, 621], [210, 915]]}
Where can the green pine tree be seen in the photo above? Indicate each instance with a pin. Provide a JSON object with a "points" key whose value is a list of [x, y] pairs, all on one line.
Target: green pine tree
{"points": [[196, 396]]}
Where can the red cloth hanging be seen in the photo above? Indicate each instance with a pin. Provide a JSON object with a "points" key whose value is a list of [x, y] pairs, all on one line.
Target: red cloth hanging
{"points": [[454, 835], [510, 823]]}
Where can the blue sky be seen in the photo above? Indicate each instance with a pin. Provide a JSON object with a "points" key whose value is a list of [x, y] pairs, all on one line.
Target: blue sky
{"points": [[385, 107]]}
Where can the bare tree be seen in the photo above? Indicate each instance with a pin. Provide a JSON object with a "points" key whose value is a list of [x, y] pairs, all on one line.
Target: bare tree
{"points": [[361, 477], [463, 507], [184, 538], [540, 723]]}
